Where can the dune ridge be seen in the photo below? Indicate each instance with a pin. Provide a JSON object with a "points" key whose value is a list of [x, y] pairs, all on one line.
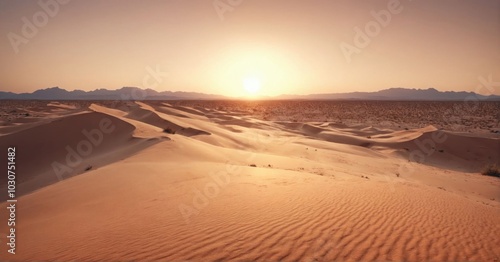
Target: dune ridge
{"points": [[228, 186]]}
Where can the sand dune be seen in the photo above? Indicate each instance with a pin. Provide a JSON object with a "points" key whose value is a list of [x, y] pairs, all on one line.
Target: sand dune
{"points": [[228, 186], [437, 147], [55, 145]]}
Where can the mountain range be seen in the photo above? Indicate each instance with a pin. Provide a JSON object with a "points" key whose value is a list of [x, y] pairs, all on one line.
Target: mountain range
{"points": [[134, 93], [125, 93]]}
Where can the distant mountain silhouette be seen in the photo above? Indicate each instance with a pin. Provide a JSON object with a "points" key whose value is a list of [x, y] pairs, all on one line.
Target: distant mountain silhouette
{"points": [[398, 94], [135, 93], [125, 93]]}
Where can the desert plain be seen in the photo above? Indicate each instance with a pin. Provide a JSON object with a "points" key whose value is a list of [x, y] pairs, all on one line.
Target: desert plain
{"points": [[252, 180]]}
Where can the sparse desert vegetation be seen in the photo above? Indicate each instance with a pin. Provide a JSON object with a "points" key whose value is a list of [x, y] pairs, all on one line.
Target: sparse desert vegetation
{"points": [[402, 115], [491, 170], [254, 180]]}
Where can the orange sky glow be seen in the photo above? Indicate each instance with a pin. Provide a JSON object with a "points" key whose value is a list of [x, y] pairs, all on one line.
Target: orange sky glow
{"points": [[245, 47]]}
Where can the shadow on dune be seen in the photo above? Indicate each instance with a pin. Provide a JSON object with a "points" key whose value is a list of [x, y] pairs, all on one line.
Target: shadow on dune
{"points": [[66, 147], [427, 145], [151, 118]]}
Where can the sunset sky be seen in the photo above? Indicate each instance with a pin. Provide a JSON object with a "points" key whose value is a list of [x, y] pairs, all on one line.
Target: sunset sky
{"points": [[253, 47]]}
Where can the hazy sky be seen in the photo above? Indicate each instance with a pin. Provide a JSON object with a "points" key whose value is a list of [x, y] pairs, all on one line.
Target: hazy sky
{"points": [[287, 46]]}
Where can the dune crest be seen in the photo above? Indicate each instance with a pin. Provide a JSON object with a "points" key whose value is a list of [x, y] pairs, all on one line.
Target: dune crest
{"points": [[224, 185]]}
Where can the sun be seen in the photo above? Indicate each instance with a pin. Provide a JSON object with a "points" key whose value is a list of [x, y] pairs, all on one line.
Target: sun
{"points": [[251, 85]]}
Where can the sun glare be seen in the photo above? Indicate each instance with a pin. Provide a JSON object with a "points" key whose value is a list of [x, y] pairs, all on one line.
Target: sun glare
{"points": [[251, 85]]}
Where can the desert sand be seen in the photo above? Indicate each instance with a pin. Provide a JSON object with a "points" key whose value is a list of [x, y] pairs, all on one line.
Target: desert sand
{"points": [[204, 181]]}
